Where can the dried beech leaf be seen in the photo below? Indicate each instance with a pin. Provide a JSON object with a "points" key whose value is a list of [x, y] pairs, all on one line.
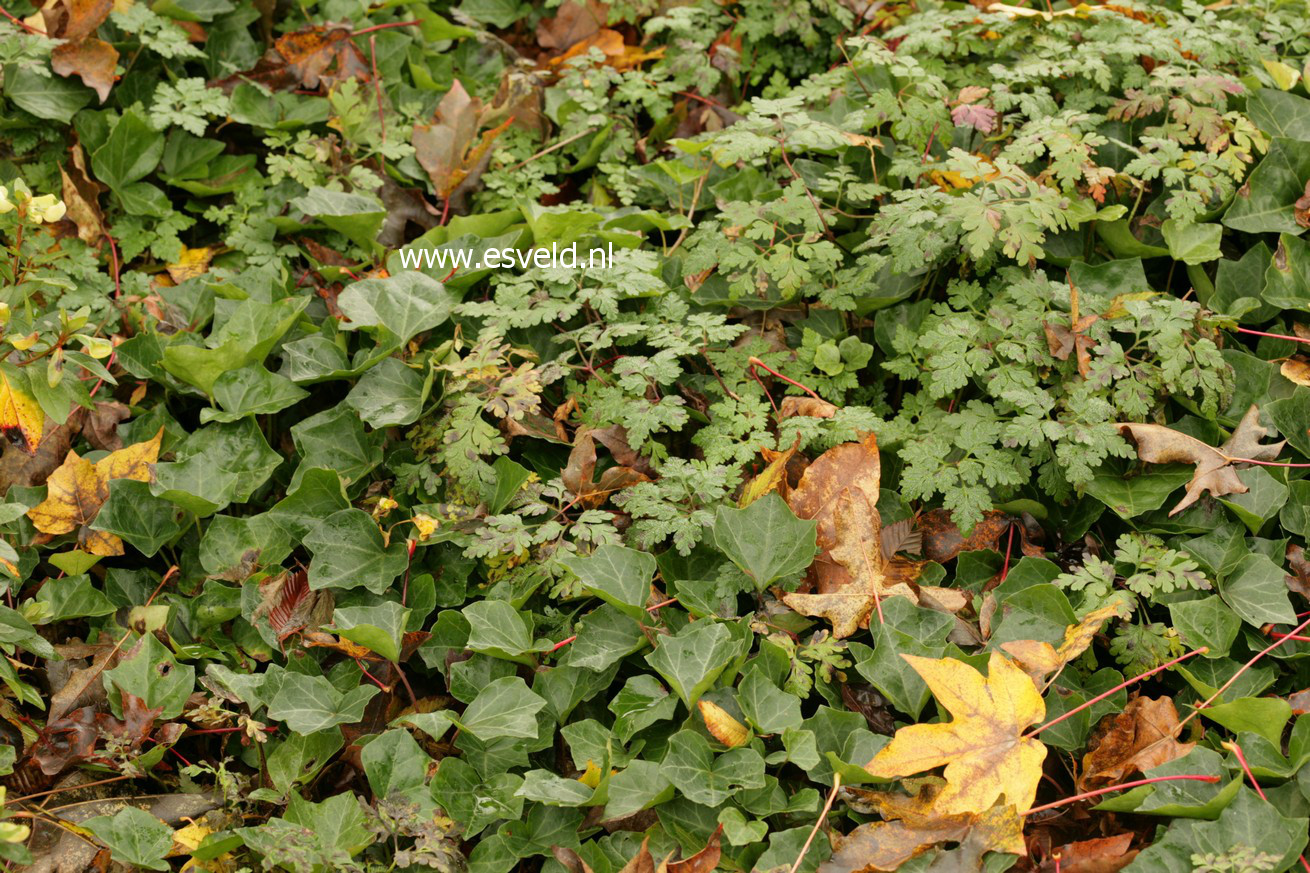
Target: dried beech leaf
{"points": [[1215, 473]]}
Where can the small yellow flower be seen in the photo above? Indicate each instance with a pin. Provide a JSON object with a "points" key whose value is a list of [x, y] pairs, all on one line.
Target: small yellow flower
{"points": [[425, 524], [6, 205], [46, 209]]}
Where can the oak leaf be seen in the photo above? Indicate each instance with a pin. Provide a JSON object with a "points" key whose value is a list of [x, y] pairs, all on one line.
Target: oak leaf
{"points": [[78, 488], [1141, 737], [983, 748], [1039, 658], [1215, 473]]}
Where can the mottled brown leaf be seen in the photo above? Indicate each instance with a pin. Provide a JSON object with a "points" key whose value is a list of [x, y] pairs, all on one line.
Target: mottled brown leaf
{"points": [[1143, 736], [93, 60]]}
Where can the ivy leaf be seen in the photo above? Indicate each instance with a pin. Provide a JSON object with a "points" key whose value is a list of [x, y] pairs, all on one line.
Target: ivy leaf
{"points": [[983, 747], [504, 708], [378, 628], [1256, 592], [765, 540], [136, 515], [618, 575], [134, 836], [404, 305], [693, 658], [308, 704], [349, 552], [394, 763], [700, 776]]}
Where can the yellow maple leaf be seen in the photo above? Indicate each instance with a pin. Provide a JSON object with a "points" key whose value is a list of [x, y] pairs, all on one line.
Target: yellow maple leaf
{"points": [[21, 417], [77, 489], [983, 747]]}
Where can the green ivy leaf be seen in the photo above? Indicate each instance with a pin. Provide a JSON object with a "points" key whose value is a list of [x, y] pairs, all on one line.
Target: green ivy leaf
{"points": [[765, 540]]}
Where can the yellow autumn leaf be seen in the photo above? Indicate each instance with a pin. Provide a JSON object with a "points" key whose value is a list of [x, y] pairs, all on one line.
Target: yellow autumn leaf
{"points": [[723, 726], [77, 489], [1039, 658], [771, 478], [983, 748], [192, 263], [592, 775], [21, 417]]}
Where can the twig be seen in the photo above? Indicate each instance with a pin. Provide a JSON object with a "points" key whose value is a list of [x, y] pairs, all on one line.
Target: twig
{"points": [[377, 89], [1281, 336], [1122, 685], [558, 145], [756, 362], [69, 788], [378, 27], [832, 795], [23, 24], [1186, 777]]}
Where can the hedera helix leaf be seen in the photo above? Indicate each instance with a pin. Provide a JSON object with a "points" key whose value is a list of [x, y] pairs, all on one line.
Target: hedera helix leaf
{"points": [[311, 703], [620, 576], [765, 539], [691, 660]]}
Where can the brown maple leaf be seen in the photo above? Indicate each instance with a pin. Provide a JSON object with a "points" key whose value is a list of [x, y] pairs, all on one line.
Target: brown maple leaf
{"points": [[314, 56], [1215, 470], [578, 475]]}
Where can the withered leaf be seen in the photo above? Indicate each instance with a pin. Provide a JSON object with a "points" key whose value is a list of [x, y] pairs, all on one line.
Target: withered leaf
{"points": [[81, 194], [1301, 208], [793, 405], [573, 23], [1215, 472], [314, 56], [578, 474], [93, 60], [1102, 855], [445, 147], [1296, 369], [1039, 658], [772, 478], [703, 861], [722, 725], [1143, 736], [75, 20], [943, 541]]}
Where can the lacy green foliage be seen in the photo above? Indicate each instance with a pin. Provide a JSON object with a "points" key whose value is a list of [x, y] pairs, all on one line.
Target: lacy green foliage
{"points": [[446, 568]]}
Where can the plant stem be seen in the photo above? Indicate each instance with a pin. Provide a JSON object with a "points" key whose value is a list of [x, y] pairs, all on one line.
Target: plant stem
{"points": [[1281, 336], [832, 795], [1246, 768], [1122, 685], [375, 28], [756, 362], [1134, 784]]}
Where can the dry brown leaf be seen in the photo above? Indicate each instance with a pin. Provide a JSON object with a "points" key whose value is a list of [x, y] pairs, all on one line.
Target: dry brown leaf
{"points": [[314, 56], [792, 406], [1296, 370], [722, 725], [1143, 736], [1103, 855], [1301, 208], [445, 148], [703, 861], [848, 465], [573, 23], [983, 747], [75, 20], [610, 43], [901, 537], [81, 194], [76, 490], [1299, 579], [1215, 472], [913, 825], [1039, 658], [1300, 702], [578, 474], [93, 60], [942, 540]]}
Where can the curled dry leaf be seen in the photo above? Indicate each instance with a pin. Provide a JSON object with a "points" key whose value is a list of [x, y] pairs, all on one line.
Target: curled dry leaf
{"points": [[1103, 855], [81, 194], [573, 23], [1215, 472], [772, 478], [1143, 736], [93, 60], [1299, 579], [1040, 659], [983, 748], [445, 147], [703, 861], [812, 407], [314, 56], [943, 541], [577, 474], [721, 725]]}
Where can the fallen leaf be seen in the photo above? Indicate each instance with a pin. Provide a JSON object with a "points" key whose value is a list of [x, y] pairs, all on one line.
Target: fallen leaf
{"points": [[772, 478], [703, 861], [1296, 370], [1039, 658], [573, 23], [92, 60], [848, 465], [617, 54], [721, 725], [1143, 736], [854, 583], [793, 406], [1103, 855], [75, 20], [445, 147], [192, 263], [942, 540], [577, 474], [1299, 579], [1215, 472], [983, 748], [314, 56], [81, 194], [21, 418], [914, 824], [77, 488], [1300, 702], [901, 537]]}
